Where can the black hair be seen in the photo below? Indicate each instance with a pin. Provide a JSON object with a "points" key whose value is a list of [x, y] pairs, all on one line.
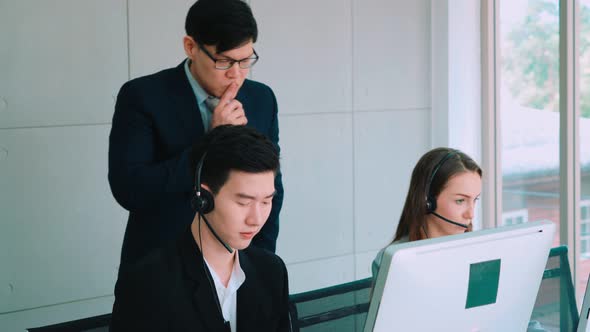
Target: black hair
{"points": [[229, 148], [226, 24]]}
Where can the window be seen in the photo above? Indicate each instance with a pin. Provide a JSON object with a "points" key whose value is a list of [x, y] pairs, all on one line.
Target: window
{"points": [[585, 237], [529, 110], [539, 152], [515, 217], [584, 103]]}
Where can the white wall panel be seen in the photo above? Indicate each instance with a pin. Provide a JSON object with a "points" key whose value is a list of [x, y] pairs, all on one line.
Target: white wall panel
{"points": [[320, 273], [63, 61], [391, 54], [61, 229], [363, 264], [387, 146], [156, 28], [316, 220], [345, 174], [21, 320], [305, 52]]}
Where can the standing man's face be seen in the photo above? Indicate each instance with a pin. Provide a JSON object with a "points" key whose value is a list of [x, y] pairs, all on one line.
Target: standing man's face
{"points": [[216, 81]]}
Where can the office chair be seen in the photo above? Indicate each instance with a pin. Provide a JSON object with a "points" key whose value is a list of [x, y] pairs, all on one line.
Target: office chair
{"points": [[90, 324], [341, 308], [555, 307]]}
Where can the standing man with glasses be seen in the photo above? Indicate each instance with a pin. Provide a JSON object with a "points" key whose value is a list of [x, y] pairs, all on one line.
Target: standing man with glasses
{"points": [[160, 116]]}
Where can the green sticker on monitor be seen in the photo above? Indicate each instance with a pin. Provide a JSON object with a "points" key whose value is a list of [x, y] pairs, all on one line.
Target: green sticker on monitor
{"points": [[483, 283]]}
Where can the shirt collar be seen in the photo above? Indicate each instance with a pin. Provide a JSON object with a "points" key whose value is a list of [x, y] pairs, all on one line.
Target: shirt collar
{"points": [[197, 89], [236, 279], [237, 275]]}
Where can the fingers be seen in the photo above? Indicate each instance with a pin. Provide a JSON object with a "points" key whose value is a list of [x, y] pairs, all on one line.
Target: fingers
{"points": [[230, 94], [234, 113], [229, 113], [240, 119], [229, 110]]}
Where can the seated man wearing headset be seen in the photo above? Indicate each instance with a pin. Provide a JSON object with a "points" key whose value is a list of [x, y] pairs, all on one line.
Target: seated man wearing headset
{"points": [[210, 279]]}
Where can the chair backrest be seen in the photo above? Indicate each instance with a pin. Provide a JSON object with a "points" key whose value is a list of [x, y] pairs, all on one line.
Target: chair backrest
{"points": [[90, 324], [344, 307], [555, 308], [341, 308]]}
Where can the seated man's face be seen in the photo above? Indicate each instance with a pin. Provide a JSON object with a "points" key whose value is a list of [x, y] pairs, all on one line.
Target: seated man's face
{"points": [[242, 206]]}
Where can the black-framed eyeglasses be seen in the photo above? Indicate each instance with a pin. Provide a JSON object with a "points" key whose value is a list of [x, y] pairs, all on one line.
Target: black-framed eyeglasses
{"points": [[224, 64]]}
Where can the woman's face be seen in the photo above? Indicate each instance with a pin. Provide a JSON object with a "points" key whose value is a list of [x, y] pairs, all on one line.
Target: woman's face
{"points": [[455, 202]]}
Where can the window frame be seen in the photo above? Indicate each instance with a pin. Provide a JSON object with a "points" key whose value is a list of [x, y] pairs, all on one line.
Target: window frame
{"points": [[569, 152]]}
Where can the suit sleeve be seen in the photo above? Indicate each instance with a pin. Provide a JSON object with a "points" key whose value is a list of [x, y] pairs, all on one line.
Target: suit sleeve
{"points": [[135, 309], [267, 238], [137, 179], [284, 319]]}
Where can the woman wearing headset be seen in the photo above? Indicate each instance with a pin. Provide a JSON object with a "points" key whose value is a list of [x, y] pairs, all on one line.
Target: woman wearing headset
{"points": [[443, 192]]}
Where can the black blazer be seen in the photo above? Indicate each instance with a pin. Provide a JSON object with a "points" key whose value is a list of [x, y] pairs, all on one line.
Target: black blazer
{"points": [[169, 291], [156, 122]]}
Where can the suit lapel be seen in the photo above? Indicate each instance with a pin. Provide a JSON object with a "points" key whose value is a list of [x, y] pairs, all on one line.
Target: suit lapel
{"points": [[242, 96], [185, 103], [203, 294], [253, 298]]}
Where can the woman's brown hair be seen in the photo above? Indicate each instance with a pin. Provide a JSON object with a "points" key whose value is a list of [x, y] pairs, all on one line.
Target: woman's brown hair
{"points": [[444, 163]]}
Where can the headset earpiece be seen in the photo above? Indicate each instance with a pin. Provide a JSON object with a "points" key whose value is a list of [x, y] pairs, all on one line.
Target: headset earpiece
{"points": [[430, 199], [430, 204], [204, 201]]}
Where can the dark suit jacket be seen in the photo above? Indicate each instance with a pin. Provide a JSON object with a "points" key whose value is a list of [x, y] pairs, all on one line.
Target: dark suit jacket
{"points": [[156, 122], [168, 290]]}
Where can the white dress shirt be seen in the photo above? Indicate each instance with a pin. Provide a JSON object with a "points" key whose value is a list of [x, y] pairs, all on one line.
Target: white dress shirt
{"points": [[228, 296]]}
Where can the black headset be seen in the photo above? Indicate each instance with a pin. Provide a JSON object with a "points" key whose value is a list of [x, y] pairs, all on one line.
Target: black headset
{"points": [[430, 199], [204, 202]]}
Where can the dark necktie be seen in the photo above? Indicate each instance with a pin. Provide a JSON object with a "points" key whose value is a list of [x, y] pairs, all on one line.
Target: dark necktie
{"points": [[211, 103]]}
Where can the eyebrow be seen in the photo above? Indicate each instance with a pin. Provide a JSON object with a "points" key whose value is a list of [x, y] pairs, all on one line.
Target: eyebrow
{"points": [[225, 57], [241, 195], [467, 196]]}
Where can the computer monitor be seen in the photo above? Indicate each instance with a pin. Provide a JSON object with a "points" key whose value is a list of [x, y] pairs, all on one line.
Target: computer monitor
{"points": [[479, 281]]}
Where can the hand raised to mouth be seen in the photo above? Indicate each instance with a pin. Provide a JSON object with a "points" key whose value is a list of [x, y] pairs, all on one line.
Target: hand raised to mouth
{"points": [[228, 110]]}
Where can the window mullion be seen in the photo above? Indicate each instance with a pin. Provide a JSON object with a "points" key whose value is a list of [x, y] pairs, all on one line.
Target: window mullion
{"points": [[491, 138], [568, 133]]}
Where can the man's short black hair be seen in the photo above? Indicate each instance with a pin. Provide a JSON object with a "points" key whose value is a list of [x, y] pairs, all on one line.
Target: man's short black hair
{"points": [[229, 148], [226, 24]]}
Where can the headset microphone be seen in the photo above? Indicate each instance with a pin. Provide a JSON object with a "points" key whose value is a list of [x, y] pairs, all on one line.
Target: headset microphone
{"points": [[225, 245], [450, 221], [203, 201], [431, 200]]}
